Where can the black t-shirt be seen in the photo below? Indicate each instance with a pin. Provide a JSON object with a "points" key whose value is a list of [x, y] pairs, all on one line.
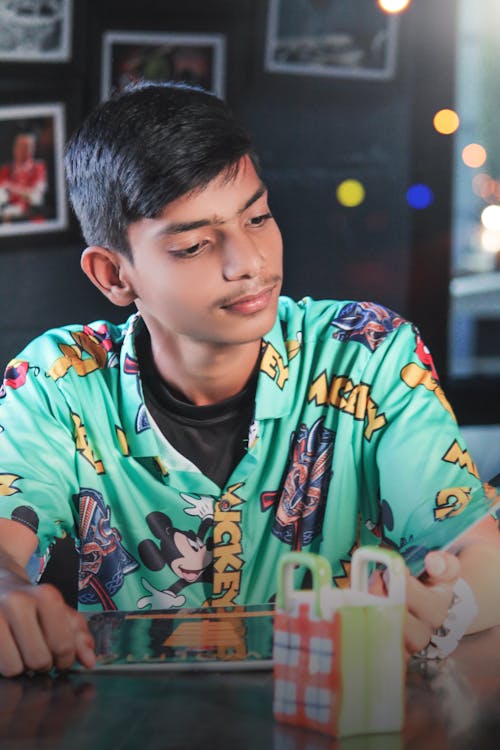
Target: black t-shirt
{"points": [[214, 437]]}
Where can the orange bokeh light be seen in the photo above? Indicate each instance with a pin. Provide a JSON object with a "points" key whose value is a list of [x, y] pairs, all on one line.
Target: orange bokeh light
{"points": [[474, 155], [446, 121]]}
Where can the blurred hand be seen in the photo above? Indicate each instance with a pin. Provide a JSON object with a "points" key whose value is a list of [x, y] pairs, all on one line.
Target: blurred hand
{"points": [[427, 598], [38, 630]]}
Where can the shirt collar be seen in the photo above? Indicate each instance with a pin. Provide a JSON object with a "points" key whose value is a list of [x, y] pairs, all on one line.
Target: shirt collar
{"points": [[141, 438], [275, 385]]}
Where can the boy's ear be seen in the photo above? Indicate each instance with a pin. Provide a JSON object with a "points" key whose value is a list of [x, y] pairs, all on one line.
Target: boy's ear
{"points": [[105, 269]]}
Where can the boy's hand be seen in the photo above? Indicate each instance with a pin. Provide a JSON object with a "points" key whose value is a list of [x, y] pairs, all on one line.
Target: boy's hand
{"points": [[38, 630], [427, 599]]}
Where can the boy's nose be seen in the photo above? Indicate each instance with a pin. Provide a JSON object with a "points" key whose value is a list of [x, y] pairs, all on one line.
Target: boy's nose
{"points": [[243, 258]]}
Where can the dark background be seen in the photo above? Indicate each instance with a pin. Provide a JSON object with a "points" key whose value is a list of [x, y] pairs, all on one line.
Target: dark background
{"points": [[311, 133]]}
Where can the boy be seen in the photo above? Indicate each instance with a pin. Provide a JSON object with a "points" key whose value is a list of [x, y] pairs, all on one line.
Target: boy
{"points": [[222, 425]]}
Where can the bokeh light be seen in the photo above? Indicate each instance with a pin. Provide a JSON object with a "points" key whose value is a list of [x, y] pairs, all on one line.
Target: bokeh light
{"points": [[490, 241], [484, 185], [474, 155], [350, 193], [419, 196], [393, 6], [446, 121], [490, 218]]}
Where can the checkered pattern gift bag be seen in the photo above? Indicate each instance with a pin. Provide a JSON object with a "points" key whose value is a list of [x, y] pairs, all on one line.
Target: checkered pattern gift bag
{"points": [[339, 654]]}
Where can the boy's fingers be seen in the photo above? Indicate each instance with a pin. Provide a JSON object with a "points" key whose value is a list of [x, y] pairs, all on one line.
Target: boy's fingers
{"points": [[55, 622], [11, 663], [429, 604], [85, 647], [39, 631], [417, 634], [442, 567], [22, 618]]}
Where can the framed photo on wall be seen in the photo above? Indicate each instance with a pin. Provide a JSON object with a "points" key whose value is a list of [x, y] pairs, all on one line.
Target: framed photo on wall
{"points": [[336, 38], [194, 58], [35, 30], [32, 191]]}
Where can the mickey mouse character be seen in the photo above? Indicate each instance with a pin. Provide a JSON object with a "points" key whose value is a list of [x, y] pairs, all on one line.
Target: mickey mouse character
{"points": [[185, 552]]}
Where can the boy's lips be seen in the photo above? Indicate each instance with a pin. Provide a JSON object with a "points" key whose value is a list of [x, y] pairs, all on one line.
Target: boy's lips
{"points": [[251, 303]]}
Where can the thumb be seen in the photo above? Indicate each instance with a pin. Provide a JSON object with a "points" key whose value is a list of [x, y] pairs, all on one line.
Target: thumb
{"points": [[442, 567]]}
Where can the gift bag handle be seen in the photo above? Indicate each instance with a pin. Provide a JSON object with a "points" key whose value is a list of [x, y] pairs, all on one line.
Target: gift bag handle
{"points": [[396, 585], [321, 574]]}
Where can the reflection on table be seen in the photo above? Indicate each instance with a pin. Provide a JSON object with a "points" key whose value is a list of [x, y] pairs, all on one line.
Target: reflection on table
{"points": [[453, 704]]}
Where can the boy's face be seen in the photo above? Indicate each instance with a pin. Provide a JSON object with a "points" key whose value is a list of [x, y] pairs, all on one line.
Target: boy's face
{"points": [[209, 268]]}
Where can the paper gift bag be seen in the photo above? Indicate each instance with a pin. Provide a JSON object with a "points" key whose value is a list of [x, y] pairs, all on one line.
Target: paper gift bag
{"points": [[338, 655]]}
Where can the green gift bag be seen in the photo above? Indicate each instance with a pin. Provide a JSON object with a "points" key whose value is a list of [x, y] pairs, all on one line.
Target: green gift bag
{"points": [[338, 655]]}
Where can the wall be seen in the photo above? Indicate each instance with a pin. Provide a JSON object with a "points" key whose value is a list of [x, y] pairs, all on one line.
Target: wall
{"points": [[311, 133]]}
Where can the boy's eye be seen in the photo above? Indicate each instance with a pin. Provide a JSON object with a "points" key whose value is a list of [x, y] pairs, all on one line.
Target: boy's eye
{"points": [[192, 250], [257, 221], [187, 252]]}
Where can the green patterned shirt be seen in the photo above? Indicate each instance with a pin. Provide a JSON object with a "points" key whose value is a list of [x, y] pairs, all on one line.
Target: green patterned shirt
{"points": [[352, 442]]}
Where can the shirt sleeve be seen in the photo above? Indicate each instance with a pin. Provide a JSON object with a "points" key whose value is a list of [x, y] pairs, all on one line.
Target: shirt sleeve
{"points": [[427, 483], [37, 453]]}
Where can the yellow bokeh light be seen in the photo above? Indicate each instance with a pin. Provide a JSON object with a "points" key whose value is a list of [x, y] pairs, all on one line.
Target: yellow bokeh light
{"points": [[490, 218], [393, 6], [446, 121], [474, 155], [350, 193]]}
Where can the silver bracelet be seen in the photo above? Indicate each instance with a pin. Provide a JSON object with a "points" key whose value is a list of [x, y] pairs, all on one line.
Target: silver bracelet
{"points": [[462, 611]]}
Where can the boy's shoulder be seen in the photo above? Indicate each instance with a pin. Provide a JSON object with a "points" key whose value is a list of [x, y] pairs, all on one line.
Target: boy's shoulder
{"points": [[99, 334], [364, 322]]}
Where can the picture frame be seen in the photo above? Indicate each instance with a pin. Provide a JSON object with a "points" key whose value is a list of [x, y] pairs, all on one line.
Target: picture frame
{"points": [[36, 30], [129, 56], [331, 38], [32, 191]]}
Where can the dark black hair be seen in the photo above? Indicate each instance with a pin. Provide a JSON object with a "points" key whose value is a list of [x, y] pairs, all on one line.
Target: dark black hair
{"points": [[144, 147]]}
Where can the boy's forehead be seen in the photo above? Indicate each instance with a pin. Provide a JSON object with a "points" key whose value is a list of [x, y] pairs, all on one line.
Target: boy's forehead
{"points": [[231, 190], [225, 197]]}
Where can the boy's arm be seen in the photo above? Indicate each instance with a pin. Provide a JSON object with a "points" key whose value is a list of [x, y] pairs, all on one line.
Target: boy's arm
{"points": [[38, 630]]}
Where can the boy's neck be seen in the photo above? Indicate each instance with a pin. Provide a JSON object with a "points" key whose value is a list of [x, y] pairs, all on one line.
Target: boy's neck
{"points": [[202, 374]]}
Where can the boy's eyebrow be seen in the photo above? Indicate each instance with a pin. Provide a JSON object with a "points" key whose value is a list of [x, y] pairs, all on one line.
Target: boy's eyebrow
{"points": [[186, 226]]}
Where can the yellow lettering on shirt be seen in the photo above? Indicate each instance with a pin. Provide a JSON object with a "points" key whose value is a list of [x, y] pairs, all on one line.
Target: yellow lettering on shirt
{"points": [[122, 441], [73, 356], [227, 562], [348, 397], [455, 455], [272, 364], [414, 375], [6, 482], [83, 446], [451, 501]]}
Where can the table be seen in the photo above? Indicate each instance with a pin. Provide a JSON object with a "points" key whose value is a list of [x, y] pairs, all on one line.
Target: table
{"points": [[451, 705]]}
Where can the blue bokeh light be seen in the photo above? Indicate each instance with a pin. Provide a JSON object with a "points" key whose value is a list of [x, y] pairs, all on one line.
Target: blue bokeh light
{"points": [[419, 196]]}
